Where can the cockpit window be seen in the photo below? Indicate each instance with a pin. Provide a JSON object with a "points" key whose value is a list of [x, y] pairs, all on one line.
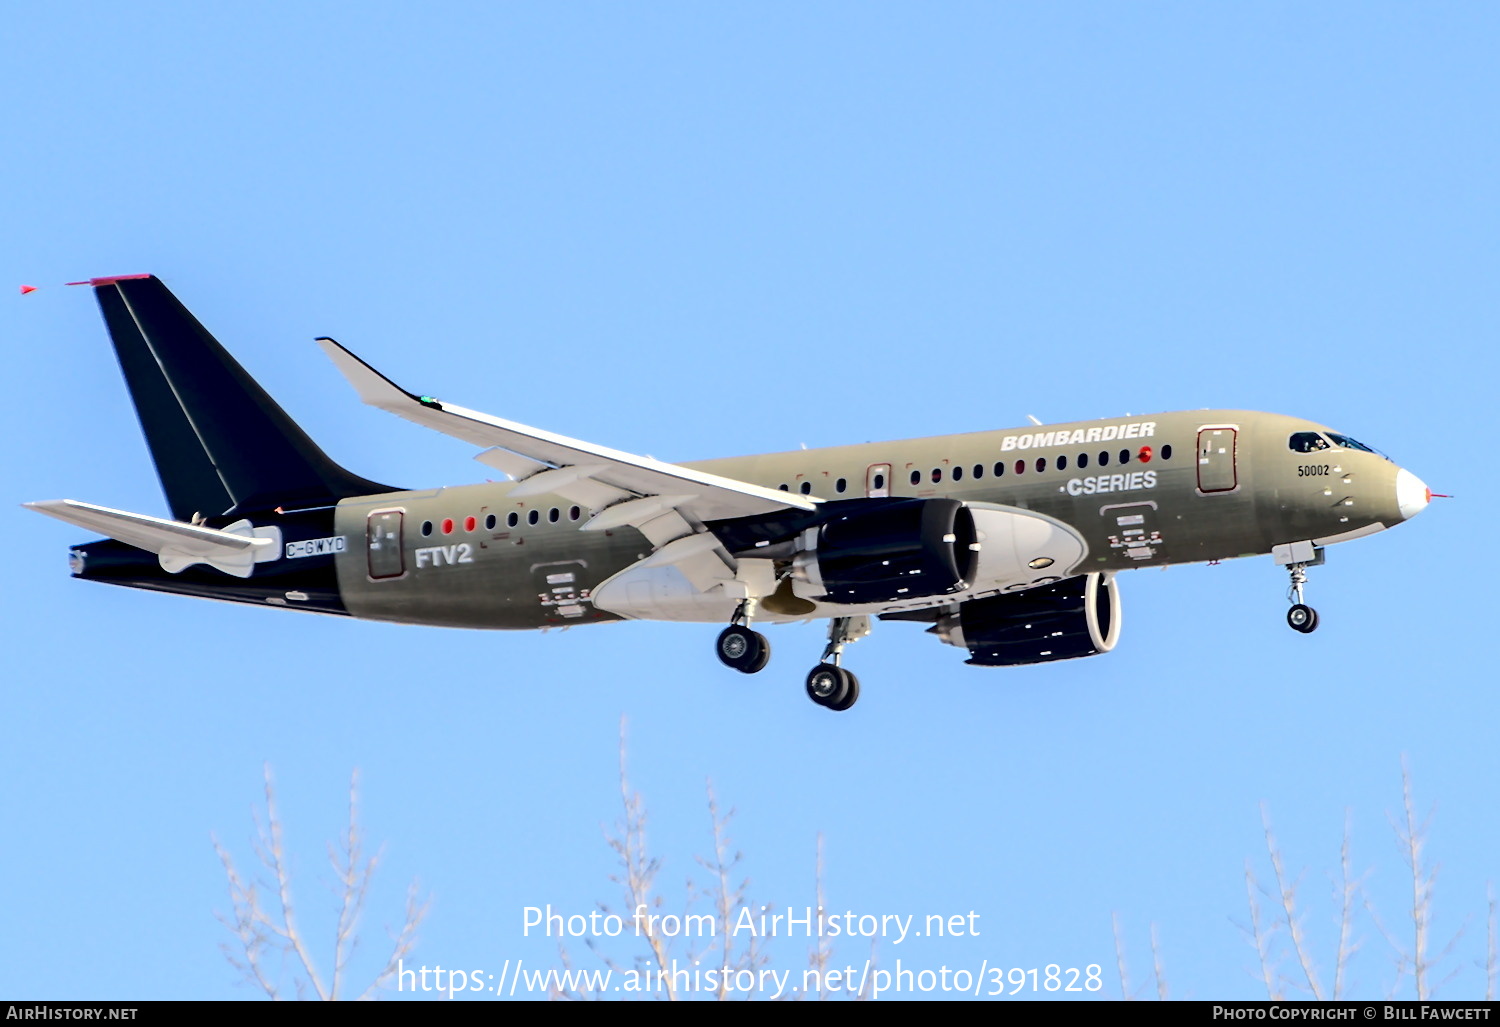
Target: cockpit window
{"points": [[1308, 442], [1348, 443]]}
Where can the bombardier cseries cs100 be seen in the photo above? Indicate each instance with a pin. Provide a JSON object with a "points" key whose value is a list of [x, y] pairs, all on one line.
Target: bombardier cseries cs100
{"points": [[1005, 542]]}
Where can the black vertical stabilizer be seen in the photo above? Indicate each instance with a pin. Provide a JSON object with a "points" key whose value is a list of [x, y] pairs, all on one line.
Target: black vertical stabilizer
{"points": [[219, 442]]}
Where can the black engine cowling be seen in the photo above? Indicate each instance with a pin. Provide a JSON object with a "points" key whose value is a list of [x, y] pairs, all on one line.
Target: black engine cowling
{"points": [[1076, 617], [898, 549]]}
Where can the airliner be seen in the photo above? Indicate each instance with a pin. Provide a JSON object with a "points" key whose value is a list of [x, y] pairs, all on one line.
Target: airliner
{"points": [[1006, 544]]}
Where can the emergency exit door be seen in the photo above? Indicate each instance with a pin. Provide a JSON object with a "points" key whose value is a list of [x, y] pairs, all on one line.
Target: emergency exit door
{"points": [[1216, 460], [878, 481]]}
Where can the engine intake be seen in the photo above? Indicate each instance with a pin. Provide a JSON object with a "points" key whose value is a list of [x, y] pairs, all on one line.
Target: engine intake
{"points": [[1075, 617], [900, 549]]}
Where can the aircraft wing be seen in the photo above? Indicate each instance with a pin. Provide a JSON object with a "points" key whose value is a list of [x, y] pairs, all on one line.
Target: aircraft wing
{"points": [[636, 489], [234, 550]]}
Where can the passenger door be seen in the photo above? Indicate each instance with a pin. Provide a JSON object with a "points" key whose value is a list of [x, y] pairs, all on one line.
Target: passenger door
{"points": [[383, 544], [1216, 459]]}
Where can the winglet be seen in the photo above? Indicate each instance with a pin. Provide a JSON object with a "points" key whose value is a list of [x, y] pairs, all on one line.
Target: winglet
{"points": [[373, 387]]}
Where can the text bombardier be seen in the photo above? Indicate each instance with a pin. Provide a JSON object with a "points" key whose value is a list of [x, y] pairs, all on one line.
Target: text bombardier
{"points": [[1080, 436]]}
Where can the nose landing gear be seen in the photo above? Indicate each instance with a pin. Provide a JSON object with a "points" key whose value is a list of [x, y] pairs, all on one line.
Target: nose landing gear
{"points": [[829, 684], [1297, 557]]}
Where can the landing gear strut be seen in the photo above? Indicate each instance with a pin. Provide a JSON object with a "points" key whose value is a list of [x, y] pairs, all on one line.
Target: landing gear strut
{"points": [[1297, 557], [829, 684], [1300, 617], [739, 647]]}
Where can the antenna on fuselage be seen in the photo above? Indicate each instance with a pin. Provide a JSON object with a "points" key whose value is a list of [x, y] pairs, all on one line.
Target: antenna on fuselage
{"points": [[1033, 420]]}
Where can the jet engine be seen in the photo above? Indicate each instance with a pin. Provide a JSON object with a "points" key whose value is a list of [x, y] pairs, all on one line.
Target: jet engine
{"points": [[900, 549], [1077, 616]]}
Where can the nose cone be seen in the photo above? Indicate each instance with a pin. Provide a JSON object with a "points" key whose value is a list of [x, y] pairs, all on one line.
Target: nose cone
{"points": [[1412, 494]]}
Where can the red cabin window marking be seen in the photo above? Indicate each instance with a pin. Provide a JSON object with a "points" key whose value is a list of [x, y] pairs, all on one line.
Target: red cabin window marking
{"points": [[470, 523], [447, 525], [1144, 456]]}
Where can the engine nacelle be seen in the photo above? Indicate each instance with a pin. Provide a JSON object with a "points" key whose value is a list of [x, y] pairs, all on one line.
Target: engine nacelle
{"points": [[900, 549], [1079, 616]]}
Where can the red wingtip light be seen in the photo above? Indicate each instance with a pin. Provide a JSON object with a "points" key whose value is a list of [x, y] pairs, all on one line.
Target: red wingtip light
{"points": [[27, 288]]}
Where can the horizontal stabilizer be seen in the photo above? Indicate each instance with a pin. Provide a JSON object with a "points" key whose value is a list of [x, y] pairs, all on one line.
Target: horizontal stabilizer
{"points": [[234, 549]]}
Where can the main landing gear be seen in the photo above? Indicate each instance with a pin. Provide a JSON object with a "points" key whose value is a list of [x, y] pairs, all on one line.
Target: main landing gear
{"points": [[739, 647], [829, 684]]}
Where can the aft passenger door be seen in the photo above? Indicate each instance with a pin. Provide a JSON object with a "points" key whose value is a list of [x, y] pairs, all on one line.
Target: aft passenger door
{"points": [[1217, 471], [878, 481], [383, 544]]}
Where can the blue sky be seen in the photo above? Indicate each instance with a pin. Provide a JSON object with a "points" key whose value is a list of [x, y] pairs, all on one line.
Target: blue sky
{"points": [[695, 231]]}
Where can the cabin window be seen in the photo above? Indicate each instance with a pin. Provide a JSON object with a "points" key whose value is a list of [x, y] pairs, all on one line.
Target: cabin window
{"points": [[784, 487], [1020, 466], [1166, 451], [553, 514], [426, 527], [1041, 464], [806, 488], [1083, 460], [489, 522], [840, 485], [1104, 459], [879, 482], [979, 470], [533, 516], [1062, 463], [958, 474], [999, 470], [916, 477], [512, 519], [1124, 456], [574, 513], [937, 475]]}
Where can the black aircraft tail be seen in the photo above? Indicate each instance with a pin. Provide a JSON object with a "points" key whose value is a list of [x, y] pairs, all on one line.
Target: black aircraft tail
{"points": [[220, 444]]}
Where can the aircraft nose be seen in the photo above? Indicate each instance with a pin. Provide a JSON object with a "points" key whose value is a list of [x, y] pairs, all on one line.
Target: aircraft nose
{"points": [[1412, 494]]}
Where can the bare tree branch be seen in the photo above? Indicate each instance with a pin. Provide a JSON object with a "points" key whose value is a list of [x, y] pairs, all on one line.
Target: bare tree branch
{"points": [[1288, 895], [1120, 958], [263, 929], [1348, 888], [1156, 967], [1260, 937], [1491, 963]]}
